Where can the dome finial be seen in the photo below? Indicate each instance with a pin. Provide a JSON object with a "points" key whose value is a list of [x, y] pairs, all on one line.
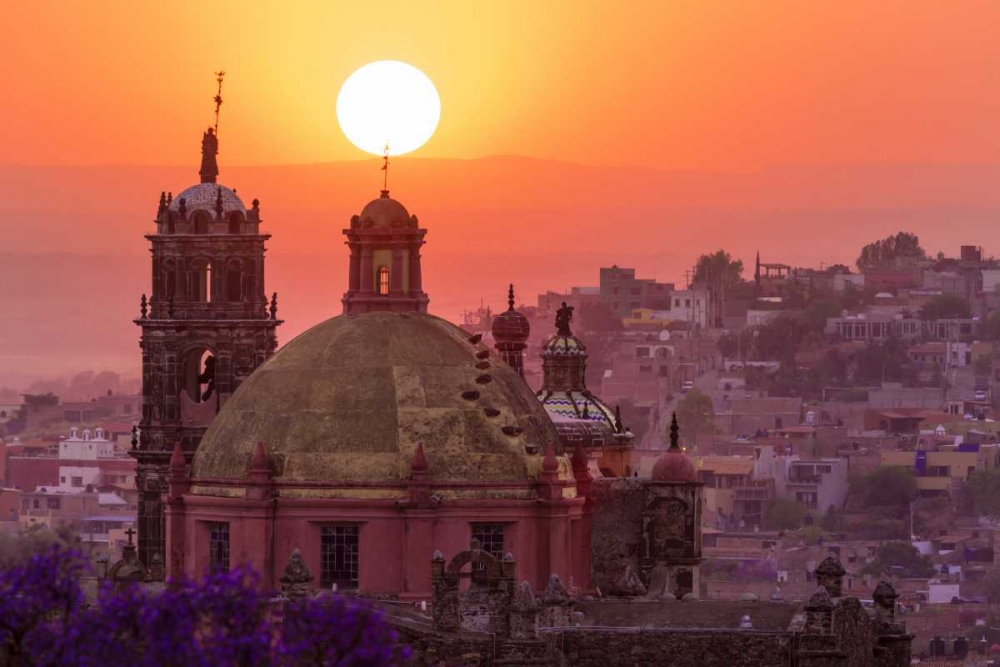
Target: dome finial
{"points": [[385, 168], [209, 149], [674, 433], [563, 317], [510, 297]]}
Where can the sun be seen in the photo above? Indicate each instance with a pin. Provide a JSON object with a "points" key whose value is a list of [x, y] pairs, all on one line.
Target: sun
{"points": [[388, 102]]}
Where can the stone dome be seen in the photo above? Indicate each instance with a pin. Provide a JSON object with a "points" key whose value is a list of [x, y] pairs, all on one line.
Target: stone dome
{"points": [[203, 197], [352, 398], [384, 212], [674, 466], [510, 326]]}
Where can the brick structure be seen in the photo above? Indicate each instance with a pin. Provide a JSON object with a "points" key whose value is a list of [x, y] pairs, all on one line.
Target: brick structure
{"points": [[205, 328]]}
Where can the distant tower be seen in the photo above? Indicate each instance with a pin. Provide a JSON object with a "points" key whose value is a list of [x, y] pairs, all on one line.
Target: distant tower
{"points": [[510, 333], [756, 276], [207, 326], [385, 270]]}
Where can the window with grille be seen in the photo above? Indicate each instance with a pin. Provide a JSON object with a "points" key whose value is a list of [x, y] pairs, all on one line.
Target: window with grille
{"points": [[339, 556], [490, 536], [383, 280], [218, 546]]}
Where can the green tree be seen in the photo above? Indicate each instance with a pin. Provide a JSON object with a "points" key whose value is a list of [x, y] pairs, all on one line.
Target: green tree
{"points": [[900, 558], [983, 486], [886, 485], [945, 306], [899, 249], [720, 273], [695, 415], [785, 515], [816, 313]]}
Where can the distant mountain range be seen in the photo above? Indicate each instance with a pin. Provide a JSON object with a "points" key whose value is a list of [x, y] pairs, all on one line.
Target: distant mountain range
{"points": [[73, 260]]}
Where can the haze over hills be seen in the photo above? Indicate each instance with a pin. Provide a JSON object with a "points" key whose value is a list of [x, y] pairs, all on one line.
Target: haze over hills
{"points": [[74, 261]]}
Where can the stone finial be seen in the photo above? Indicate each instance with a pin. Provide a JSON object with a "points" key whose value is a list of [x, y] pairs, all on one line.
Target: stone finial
{"points": [[885, 596], [675, 431], [182, 207], [820, 600], [218, 204], [170, 198], [437, 556], [586, 411], [177, 461], [260, 462], [163, 204], [550, 464], [555, 593], [830, 574], [510, 297], [143, 307], [524, 597], [135, 437], [619, 426], [419, 463], [296, 578], [274, 306], [255, 204]]}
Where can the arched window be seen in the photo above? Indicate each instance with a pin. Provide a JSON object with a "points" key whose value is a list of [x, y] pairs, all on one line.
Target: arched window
{"points": [[199, 374], [200, 281], [383, 280], [235, 222], [201, 222], [234, 281]]}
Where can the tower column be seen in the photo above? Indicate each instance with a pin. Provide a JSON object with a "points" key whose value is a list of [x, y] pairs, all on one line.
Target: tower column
{"points": [[367, 271], [416, 277], [354, 279], [396, 288]]}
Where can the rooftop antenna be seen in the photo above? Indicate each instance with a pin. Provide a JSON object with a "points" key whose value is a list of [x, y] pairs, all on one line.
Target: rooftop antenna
{"points": [[218, 98], [385, 168]]}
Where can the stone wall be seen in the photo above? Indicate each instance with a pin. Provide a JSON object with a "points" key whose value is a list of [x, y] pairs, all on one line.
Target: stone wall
{"points": [[616, 535], [678, 648]]}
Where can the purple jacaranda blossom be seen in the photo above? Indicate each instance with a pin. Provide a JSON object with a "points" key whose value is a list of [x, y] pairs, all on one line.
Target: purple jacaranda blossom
{"points": [[225, 619]]}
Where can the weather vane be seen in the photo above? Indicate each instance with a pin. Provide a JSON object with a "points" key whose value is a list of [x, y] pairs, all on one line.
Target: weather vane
{"points": [[385, 168], [218, 98]]}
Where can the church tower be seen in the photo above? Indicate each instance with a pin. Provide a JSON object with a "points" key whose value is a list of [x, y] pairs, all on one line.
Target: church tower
{"points": [[206, 326], [385, 271]]}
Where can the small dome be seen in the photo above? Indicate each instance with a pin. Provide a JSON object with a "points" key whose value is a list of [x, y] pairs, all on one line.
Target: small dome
{"points": [[569, 346], [203, 197], [511, 326], [384, 212], [674, 466]]}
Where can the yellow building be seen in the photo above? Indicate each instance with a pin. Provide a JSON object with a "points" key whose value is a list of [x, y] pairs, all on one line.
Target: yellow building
{"points": [[942, 470]]}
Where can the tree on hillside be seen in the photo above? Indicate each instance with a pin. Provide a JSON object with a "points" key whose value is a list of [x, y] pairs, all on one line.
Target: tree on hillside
{"points": [[779, 339], [983, 486], [695, 415], [900, 558], [900, 248], [886, 485], [945, 306], [785, 515], [883, 362], [720, 273], [816, 313]]}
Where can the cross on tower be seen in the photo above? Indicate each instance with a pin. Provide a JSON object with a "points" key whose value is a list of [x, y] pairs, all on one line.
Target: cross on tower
{"points": [[385, 168], [131, 533]]}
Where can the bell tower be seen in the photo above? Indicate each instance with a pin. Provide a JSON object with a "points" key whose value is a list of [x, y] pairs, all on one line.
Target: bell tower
{"points": [[206, 326], [385, 269]]}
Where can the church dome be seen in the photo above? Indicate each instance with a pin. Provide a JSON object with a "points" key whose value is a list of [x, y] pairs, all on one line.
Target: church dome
{"points": [[384, 212], [203, 197], [352, 398], [564, 346]]}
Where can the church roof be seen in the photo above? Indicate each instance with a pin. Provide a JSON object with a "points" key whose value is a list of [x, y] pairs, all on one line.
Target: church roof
{"points": [[352, 398], [203, 197], [385, 212]]}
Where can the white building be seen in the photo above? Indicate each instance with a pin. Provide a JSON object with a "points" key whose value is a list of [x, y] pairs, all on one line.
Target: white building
{"points": [[90, 447]]}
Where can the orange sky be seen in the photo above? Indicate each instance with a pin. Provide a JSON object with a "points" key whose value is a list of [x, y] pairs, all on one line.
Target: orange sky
{"points": [[682, 85]]}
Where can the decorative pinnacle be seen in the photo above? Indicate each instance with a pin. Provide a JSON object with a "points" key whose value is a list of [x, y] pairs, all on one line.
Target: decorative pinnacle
{"points": [[510, 297], [218, 98], [674, 433], [385, 168]]}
